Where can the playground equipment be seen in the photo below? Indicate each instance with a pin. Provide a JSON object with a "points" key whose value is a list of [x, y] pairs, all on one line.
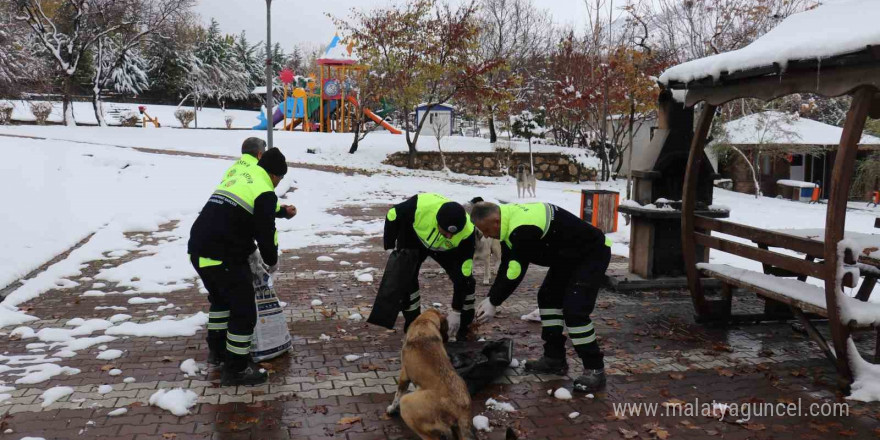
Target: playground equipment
{"points": [[146, 117], [325, 105]]}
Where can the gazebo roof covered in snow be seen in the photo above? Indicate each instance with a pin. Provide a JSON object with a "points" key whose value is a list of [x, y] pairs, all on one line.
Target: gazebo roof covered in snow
{"points": [[338, 53], [837, 42], [779, 128]]}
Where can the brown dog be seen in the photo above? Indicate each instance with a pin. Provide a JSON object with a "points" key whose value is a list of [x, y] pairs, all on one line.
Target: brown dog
{"points": [[440, 408]]}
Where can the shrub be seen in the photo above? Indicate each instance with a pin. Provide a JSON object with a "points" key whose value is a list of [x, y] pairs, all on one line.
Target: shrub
{"points": [[229, 119], [41, 111], [5, 113], [185, 116], [130, 118]]}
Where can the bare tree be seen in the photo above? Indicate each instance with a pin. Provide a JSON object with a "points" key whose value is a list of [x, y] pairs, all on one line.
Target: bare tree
{"points": [[116, 57], [440, 126], [68, 30]]}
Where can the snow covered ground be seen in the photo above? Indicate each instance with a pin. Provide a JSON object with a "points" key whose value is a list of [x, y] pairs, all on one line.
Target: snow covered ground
{"points": [[75, 184]]}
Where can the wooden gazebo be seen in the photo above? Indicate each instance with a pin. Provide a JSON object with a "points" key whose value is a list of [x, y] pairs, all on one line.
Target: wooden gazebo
{"points": [[819, 52]]}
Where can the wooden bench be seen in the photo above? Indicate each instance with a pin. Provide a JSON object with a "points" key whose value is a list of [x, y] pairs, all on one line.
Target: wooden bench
{"points": [[783, 282]]}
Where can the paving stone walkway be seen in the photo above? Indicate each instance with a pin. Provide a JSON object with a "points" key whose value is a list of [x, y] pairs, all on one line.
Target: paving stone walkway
{"points": [[655, 354]]}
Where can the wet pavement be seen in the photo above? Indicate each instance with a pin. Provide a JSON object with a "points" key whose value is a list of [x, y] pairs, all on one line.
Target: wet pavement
{"points": [[655, 354]]}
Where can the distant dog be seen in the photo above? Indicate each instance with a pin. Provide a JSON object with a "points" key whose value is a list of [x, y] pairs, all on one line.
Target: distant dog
{"points": [[486, 247], [440, 407], [525, 181]]}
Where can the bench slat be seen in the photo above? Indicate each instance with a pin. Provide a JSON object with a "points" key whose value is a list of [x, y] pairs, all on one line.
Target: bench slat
{"points": [[803, 267], [728, 278], [763, 236]]}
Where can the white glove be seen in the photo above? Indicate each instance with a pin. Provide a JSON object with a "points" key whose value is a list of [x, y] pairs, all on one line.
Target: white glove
{"points": [[485, 311], [272, 269], [454, 321]]}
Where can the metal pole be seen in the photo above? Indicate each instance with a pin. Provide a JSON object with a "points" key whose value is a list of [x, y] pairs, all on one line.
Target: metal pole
{"points": [[269, 74]]}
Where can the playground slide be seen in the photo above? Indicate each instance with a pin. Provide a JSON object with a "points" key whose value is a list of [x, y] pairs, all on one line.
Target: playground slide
{"points": [[375, 117], [276, 118]]}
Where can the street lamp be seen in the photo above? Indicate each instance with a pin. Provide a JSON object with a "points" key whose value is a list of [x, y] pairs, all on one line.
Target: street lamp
{"points": [[269, 74]]}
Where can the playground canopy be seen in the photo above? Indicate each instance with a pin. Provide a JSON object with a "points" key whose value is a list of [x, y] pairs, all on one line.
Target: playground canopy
{"points": [[338, 53]]}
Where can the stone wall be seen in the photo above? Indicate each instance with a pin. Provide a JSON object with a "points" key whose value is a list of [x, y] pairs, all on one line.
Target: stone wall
{"points": [[555, 167]]}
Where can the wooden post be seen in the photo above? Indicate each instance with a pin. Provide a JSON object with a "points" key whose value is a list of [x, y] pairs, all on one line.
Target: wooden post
{"points": [[321, 99], [688, 205], [835, 220]]}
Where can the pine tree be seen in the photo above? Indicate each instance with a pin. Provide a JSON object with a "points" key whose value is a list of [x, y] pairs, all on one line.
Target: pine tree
{"points": [[247, 55]]}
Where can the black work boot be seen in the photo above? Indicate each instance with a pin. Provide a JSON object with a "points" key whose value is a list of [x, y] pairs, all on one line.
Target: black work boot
{"points": [[216, 358], [590, 382], [547, 365], [252, 374]]}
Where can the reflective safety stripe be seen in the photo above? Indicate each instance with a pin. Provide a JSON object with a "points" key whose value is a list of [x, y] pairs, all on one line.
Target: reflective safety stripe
{"points": [[469, 298], [581, 329], [414, 296], [551, 311], [414, 307], [224, 314], [608, 242], [582, 341], [392, 214], [238, 350], [514, 269], [218, 325], [467, 268], [468, 307], [552, 323], [238, 338], [238, 200], [207, 262]]}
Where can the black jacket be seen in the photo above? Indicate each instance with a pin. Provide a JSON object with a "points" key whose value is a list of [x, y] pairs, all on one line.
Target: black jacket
{"points": [[225, 231], [569, 240]]}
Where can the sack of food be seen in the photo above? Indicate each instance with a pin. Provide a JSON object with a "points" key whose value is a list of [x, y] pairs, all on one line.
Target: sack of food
{"points": [[271, 335]]}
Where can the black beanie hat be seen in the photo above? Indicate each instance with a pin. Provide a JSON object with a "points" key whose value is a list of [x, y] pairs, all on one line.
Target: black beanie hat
{"points": [[273, 162], [451, 217]]}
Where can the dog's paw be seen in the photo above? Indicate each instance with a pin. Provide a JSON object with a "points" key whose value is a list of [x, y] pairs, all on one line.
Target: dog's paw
{"points": [[393, 409]]}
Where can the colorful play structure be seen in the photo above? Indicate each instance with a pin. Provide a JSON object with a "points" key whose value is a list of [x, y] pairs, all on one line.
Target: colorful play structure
{"points": [[325, 104]]}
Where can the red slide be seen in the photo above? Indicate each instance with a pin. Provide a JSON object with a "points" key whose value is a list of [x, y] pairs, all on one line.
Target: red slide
{"points": [[375, 117]]}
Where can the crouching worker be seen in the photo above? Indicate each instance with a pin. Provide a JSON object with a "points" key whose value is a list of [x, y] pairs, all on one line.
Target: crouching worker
{"points": [[576, 253], [242, 209], [440, 228]]}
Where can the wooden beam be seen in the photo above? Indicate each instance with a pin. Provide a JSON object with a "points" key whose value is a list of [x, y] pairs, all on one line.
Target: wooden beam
{"points": [[762, 236], [814, 334], [774, 259], [688, 205], [833, 81], [835, 220], [767, 293]]}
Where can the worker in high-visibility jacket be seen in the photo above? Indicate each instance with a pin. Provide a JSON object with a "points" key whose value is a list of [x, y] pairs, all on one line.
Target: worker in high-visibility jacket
{"points": [[576, 253], [241, 210], [439, 228], [252, 150]]}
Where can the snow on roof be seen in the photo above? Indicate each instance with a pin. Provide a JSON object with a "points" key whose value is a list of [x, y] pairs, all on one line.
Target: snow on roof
{"points": [[259, 90], [436, 107], [836, 27], [781, 128]]}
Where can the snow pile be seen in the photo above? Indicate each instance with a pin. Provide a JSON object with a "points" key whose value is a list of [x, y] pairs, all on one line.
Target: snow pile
{"points": [[324, 258], [115, 372], [562, 394], [365, 277], [866, 383], [773, 127], [138, 300], [834, 28], [43, 372], [190, 367], [355, 317], [104, 389], [119, 317], [533, 316], [117, 412], [53, 394], [574, 415], [109, 355], [481, 423], [83, 328], [177, 401], [129, 380], [351, 357], [163, 328], [317, 302], [499, 406]]}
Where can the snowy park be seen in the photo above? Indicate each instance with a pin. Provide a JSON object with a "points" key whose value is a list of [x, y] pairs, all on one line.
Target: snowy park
{"points": [[687, 198]]}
